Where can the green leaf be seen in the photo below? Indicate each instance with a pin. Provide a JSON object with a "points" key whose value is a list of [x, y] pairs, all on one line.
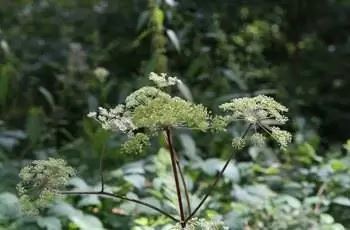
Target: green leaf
{"points": [[48, 96], [173, 38], [260, 190], [326, 219], [49, 223], [341, 200], [9, 207], [87, 222], [81, 220], [149, 211], [137, 180], [88, 200], [185, 91], [338, 165], [79, 184], [212, 166], [244, 196], [141, 221], [189, 146], [337, 227], [291, 201]]}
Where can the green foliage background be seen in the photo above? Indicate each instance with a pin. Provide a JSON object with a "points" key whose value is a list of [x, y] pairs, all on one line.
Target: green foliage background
{"points": [[294, 50]]}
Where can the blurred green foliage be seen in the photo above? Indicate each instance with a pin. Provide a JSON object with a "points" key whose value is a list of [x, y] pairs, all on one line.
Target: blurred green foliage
{"points": [[52, 52]]}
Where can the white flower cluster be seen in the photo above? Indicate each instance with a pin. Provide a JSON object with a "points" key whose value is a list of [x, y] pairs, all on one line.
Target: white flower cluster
{"points": [[113, 119], [259, 112], [40, 181], [202, 224], [281, 136], [163, 80]]}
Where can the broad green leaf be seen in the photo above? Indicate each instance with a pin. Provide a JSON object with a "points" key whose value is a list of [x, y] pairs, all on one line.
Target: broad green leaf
{"points": [[88, 200], [291, 201], [189, 146], [244, 196], [49, 223], [326, 219], [9, 207], [212, 166], [81, 220], [337, 227], [137, 180], [79, 184], [149, 211], [86, 222], [260, 190], [338, 165], [342, 200]]}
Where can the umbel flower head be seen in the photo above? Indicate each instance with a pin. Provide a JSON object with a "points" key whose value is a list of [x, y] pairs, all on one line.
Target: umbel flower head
{"points": [[259, 112], [40, 182], [151, 109]]}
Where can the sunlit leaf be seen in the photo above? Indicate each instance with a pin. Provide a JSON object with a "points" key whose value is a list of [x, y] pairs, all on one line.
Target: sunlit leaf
{"points": [[48, 96], [173, 38], [49, 223]]}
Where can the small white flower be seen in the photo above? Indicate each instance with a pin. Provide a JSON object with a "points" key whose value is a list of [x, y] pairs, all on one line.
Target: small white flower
{"points": [[101, 74], [92, 114], [162, 80], [113, 119]]}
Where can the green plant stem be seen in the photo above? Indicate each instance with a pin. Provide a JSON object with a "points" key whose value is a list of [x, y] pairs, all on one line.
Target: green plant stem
{"points": [[183, 181], [185, 187], [101, 168], [319, 194], [103, 193], [176, 178], [213, 185], [108, 194]]}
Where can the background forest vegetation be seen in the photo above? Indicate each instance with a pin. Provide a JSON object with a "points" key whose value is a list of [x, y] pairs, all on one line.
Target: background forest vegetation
{"points": [[61, 59]]}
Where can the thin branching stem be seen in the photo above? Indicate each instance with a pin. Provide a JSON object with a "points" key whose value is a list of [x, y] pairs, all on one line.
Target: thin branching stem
{"points": [[176, 177], [319, 194], [101, 168], [213, 185], [183, 181], [108, 194], [187, 196]]}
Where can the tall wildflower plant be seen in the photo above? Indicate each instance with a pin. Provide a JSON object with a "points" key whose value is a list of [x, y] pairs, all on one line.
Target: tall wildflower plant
{"points": [[155, 112]]}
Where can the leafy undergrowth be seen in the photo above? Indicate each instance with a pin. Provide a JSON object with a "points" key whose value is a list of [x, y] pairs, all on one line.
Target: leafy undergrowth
{"points": [[297, 189]]}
